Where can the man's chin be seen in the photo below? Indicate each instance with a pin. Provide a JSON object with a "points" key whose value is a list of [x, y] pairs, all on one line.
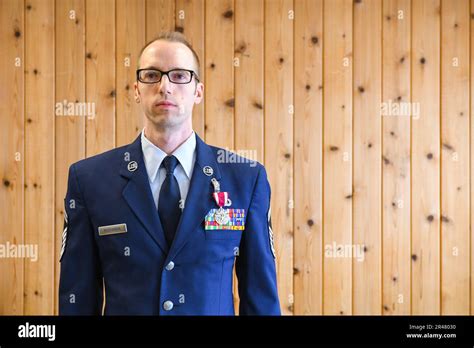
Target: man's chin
{"points": [[166, 120]]}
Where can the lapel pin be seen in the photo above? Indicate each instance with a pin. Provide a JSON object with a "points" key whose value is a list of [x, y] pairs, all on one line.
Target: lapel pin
{"points": [[208, 170], [132, 166]]}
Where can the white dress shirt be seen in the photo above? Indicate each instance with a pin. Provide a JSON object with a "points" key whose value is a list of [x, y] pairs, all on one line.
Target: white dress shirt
{"points": [[153, 156]]}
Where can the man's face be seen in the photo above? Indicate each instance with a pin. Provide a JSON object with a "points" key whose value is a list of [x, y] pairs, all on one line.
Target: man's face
{"points": [[166, 104]]}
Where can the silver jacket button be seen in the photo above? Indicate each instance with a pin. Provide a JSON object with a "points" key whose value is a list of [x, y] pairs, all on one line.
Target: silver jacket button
{"points": [[168, 305], [170, 266]]}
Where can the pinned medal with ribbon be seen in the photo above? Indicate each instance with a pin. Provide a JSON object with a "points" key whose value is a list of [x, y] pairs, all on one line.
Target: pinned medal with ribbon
{"points": [[221, 216], [224, 219]]}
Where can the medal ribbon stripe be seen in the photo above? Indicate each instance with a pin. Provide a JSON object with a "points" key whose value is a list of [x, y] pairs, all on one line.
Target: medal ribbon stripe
{"points": [[236, 220]]}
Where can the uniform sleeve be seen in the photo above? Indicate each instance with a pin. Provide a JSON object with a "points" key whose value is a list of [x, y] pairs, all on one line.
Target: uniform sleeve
{"points": [[255, 265], [80, 284]]}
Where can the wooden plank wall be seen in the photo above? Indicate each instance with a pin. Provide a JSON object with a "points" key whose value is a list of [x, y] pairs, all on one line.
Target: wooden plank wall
{"points": [[396, 170], [371, 205]]}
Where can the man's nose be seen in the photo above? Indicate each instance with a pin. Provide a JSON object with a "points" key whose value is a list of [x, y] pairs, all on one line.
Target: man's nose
{"points": [[164, 85]]}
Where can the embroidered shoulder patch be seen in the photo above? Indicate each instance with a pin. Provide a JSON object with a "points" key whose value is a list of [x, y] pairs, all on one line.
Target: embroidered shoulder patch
{"points": [[64, 238], [270, 232]]}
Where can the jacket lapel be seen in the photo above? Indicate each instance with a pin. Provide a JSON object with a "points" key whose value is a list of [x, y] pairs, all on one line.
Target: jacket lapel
{"points": [[138, 195], [199, 199]]}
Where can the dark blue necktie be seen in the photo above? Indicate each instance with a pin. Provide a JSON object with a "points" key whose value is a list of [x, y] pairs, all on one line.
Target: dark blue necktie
{"points": [[168, 202]]}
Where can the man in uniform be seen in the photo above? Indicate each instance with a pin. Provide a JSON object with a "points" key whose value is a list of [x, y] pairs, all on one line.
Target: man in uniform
{"points": [[158, 223]]}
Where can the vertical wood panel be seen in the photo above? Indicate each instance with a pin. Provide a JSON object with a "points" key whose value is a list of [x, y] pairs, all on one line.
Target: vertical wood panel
{"points": [[455, 157], [279, 110], [159, 17], [338, 60], [70, 87], [12, 156], [130, 39], [367, 193], [426, 157], [308, 67], [471, 178], [249, 81], [396, 158], [219, 92], [192, 25], [249, 77], [39, 155], [100, 75], [279, 138]]}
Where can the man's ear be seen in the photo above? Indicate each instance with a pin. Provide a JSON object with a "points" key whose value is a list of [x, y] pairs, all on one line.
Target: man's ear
{"points": [[198, 93], [136, 92]]}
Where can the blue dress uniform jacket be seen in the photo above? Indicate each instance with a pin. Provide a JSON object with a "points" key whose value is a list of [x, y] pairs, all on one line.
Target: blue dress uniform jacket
{"points": [[141, 274]]}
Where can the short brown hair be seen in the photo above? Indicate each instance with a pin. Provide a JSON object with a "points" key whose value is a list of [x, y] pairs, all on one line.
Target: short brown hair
{"points": [[173, 36]]}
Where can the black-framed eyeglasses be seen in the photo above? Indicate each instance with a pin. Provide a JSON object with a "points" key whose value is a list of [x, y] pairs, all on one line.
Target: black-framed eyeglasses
{"points": [[178, 76]]}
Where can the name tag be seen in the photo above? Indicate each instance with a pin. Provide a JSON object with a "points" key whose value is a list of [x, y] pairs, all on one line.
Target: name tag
{"points": [[112, 229], [235, 220]]}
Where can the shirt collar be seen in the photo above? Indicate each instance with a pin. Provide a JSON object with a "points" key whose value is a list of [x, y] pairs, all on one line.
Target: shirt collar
{"points": [[153, 155], [186, 154]]}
